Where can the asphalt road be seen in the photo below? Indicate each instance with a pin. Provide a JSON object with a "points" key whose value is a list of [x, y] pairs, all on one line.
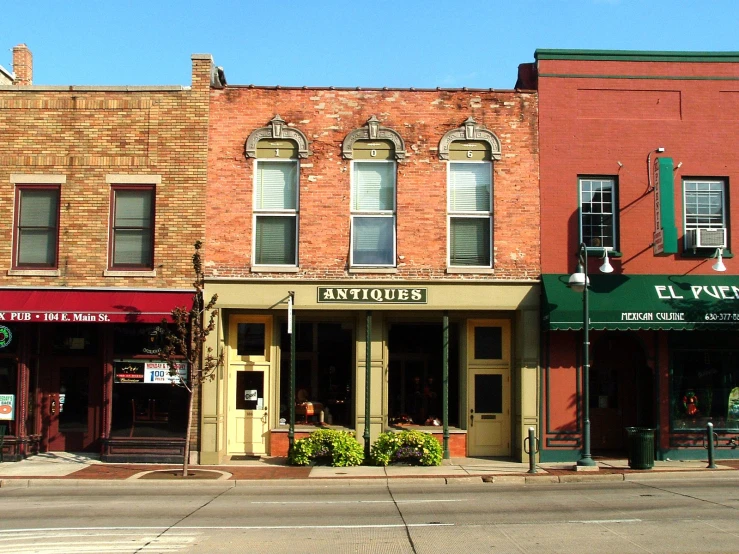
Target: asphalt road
{"points": [[655, 516]]}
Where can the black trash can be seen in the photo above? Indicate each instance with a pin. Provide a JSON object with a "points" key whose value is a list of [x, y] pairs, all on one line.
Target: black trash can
{"points": [[641, 447]]}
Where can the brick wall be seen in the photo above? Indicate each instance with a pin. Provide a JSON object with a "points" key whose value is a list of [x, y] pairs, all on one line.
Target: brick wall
{"points": [[326, 116], [89, 132], [589, 125]]}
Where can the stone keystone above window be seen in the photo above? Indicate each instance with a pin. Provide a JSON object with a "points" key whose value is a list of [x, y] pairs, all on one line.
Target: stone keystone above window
{"points": [[470, 130], [277, 130], [373, 131]]}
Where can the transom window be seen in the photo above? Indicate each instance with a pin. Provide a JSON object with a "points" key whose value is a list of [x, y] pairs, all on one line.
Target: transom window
{"points": [[37, 227], [276, 203], [470, 209], [132, 227], [704, 204], [373, 204], [597, 212]]}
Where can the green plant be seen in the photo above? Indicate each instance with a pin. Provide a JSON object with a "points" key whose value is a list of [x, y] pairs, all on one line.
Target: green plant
{"points": [[338, 448], [414, 447]]}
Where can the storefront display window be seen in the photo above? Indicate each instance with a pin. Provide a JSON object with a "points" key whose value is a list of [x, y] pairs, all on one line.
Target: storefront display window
{"points": [[8, 394], [415, 375], [324, 370], [705, 384], [147, 401]]}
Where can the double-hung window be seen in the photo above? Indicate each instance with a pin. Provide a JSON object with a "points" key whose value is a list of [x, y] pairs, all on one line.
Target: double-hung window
{"points": [[276, 207], [598, 212], [470, 187], [37, 227], [373, 213], [704, 204], [132, 228]]}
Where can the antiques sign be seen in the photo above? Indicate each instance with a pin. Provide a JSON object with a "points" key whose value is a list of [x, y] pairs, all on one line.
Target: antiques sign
{"points": [[372, 295]]}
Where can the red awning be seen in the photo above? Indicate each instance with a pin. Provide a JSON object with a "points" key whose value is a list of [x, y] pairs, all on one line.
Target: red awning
{"points": [[77, 306]]}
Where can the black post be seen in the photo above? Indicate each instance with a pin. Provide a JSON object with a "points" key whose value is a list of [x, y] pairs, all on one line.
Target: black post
{"points": [[445, 382], [586, 459], [291, 399], [367, 382]]}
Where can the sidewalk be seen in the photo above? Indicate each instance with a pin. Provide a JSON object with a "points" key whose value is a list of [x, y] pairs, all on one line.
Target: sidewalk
{"points": [[61, 468]]}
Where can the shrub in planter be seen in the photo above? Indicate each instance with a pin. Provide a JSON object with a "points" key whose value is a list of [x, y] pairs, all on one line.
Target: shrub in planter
{"points": [[406, 447], [327, 446]]}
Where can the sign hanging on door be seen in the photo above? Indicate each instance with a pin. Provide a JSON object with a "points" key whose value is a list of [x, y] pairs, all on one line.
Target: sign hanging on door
{"points": [[7, 407]]}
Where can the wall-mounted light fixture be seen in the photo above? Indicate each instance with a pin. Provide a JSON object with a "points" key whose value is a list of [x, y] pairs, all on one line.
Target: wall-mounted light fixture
{"points": [[678, 166], [620, 164], [606, 267], [719, 265]]}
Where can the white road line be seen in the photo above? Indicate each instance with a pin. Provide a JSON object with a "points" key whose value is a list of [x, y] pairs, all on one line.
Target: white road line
{"points": [[607, 521], [313, 503], [221, 528]]}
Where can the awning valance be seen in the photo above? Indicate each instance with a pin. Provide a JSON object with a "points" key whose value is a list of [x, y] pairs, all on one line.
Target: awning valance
{"points": [[98, 306], [644, 302]]}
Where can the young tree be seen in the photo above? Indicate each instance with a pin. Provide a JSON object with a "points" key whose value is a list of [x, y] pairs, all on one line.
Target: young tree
{"points": [[184, 342]]}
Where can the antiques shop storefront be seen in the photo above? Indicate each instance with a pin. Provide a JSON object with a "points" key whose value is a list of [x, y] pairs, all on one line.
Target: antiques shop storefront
{"points": [[79, 372], [390, 343]]}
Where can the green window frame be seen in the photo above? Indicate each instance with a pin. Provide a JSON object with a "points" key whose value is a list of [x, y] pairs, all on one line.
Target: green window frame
{"points": [[470, 214], [36, 227]]}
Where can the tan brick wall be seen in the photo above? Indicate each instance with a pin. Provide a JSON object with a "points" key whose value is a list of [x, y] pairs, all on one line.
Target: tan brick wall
{"points": [[89, 133], [326, 116]]}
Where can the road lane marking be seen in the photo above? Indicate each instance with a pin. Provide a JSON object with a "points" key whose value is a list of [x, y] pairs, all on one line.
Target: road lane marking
{"points": [[222, 528], [354, 501], [606, 521]]}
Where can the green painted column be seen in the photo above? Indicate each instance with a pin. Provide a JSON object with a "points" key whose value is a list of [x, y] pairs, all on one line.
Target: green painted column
{"points": [[367, 378], [445, 383]]}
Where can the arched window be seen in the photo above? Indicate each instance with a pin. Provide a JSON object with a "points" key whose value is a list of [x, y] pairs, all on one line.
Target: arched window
{"points": [[374, 151], [470, 151], [277, 150]]}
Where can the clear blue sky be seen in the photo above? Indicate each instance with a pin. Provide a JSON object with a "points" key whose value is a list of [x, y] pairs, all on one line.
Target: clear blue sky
{"points": [[369, 43]]}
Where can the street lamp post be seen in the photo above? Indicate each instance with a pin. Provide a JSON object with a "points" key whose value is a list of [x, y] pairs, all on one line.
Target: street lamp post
{"points": [[579, 282]]}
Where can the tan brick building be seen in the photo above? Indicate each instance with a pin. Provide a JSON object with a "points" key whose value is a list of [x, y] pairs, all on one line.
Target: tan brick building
{"points": [[102, 190], [396, 222]]}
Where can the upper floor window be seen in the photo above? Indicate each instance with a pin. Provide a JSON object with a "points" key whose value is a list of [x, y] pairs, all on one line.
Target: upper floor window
{"points": [[37, 227], [598, 212], [705, 213], [277, 149], [375, 151], [470, 150], [276, 203], [470, 210], [373, 206], [132, 227]]}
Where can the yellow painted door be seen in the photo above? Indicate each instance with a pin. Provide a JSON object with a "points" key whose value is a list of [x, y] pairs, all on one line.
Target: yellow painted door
{"points": [[249, 366], [489, 422], [248, 414]]}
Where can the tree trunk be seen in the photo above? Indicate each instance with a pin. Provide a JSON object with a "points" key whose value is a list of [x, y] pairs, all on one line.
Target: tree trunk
{"points": [[188, 430]]}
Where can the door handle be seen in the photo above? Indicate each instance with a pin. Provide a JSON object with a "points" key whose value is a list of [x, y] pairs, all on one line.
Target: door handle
{"points": [[472, 418], [264, 416], [53, 407]]}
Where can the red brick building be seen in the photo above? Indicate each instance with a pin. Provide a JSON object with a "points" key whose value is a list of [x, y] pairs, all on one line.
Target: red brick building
{"points": [[637, 160], [388, 218], [103, 190]]}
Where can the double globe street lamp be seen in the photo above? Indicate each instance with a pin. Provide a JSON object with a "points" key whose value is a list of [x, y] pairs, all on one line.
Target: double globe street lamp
{"points": [[579, 282]]}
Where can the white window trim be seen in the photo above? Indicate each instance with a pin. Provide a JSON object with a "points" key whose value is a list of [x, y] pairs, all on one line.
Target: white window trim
{"points": [[275, 213], [373, 213], [614, 210], [466, 214]]}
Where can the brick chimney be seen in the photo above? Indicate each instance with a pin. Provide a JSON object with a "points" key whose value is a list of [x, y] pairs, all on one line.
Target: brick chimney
{"points": [[22, 65]]}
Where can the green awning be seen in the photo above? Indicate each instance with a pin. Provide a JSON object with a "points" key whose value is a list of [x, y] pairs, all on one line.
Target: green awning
{"points": [[643, 302]]}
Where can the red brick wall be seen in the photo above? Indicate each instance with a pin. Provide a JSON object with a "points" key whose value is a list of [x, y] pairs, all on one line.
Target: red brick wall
{"points": [[86, 134], [587, 125], [326, 116]]}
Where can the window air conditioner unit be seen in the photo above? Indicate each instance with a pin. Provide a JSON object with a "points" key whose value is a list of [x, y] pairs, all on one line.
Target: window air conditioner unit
{"points": [[705, 238]]}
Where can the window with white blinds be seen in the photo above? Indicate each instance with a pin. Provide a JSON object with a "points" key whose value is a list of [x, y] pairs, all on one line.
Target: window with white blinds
{"points": [[37, 228], [373, 213], [276, 212], [132, 235], [470, 214]]}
